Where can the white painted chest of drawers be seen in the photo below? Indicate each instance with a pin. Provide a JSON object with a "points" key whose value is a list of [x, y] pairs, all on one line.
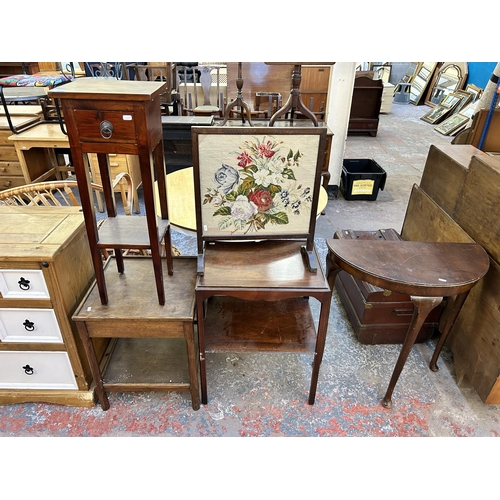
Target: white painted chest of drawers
{"points": [[45, 270]]}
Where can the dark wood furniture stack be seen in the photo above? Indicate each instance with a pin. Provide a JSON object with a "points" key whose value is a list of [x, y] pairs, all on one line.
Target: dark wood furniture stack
{"points": [[426, 271], [106, 116], [365, 106], [457, 201]]}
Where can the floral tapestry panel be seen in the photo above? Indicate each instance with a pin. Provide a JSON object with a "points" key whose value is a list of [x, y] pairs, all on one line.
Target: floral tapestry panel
{"points": [[257, 184]]}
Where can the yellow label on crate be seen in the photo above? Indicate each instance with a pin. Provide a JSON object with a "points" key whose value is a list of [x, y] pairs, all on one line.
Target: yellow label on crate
{"points": [[362, 186]]}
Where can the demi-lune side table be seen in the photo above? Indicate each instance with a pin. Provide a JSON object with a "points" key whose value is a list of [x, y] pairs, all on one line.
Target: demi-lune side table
{"points": [[426, 271]]}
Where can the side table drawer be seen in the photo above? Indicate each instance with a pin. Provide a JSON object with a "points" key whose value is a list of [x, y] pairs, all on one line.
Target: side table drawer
{"points": [[23, 284], [36, 370], [89, 123], [29, 325]]}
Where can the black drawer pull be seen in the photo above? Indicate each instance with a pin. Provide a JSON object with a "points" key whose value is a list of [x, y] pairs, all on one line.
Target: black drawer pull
{"points": [[29, 326], [28, 370], [24, 284], [106, 129]]}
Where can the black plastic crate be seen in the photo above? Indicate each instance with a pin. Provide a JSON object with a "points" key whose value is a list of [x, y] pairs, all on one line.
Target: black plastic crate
{"points": [[361, 179]]}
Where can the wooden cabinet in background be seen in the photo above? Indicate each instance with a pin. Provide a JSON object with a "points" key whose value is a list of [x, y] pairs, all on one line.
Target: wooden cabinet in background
{"points": [[365, 107], [314, 85], [259, 77], [45, 270]]}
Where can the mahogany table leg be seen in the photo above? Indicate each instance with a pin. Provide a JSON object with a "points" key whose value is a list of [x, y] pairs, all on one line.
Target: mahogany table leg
{"points": [[201, 348], [457, 306], [94, 365], [320, 346], [119, 260], [423, 306], [147, 188], [167, 240]]}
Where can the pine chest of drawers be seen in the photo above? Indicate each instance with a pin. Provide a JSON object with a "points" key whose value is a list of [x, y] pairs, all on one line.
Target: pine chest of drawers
{"points": [[11, 174], [45, 270]]}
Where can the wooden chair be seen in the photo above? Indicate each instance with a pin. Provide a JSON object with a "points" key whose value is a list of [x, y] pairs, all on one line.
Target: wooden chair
{"points": [[155, 72], [190, 78]]}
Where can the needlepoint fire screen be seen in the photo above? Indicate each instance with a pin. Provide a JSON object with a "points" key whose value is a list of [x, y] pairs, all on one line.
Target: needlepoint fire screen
{"points": [[255, 183]]}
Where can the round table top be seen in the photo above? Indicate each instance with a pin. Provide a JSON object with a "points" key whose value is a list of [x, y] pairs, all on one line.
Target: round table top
{"points": [[428, 269], [181, 199]]}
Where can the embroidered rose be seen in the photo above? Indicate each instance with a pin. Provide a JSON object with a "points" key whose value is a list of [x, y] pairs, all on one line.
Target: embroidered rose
{"points": [[265, 150], [244, 159], [262, 199], [226, 178], [242, 208]]}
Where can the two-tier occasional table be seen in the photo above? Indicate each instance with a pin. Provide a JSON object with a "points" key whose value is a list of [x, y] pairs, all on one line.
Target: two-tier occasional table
{"points": [[152, 347], [262, 307], [427, 272], [108, 116]]}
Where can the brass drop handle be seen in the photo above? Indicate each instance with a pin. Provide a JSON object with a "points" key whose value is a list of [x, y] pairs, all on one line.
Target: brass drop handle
{"points": [[28, 370], [8, 183], [3, 169], [106, 129]]}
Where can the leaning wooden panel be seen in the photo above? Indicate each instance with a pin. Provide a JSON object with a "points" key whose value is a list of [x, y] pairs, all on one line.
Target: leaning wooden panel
{"points": [[477, 207], [426, 221], [475, 338], [445, 172]]}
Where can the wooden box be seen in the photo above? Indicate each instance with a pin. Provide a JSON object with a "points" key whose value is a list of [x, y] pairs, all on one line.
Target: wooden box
{"points": [[378, 316]]}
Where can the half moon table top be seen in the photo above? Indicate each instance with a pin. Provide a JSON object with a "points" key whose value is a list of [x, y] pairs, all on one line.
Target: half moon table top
{"points": [[427, 269]]}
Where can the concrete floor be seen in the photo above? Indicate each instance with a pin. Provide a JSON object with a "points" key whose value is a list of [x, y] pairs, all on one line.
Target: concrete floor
{"points": [[266, 394]]}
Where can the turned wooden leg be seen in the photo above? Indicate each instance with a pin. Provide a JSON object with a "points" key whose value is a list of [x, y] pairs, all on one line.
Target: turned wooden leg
{"points": [[457, 306], [423, 306]]}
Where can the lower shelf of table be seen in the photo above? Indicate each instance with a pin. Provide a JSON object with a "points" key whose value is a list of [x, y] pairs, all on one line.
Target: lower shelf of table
{"points": [[132, 364], [233, 324], [128, 232]]}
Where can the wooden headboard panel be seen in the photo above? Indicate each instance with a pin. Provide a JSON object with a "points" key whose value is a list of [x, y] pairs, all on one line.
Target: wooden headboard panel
{"points": [[259, 77]]}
